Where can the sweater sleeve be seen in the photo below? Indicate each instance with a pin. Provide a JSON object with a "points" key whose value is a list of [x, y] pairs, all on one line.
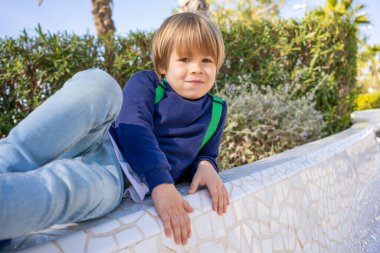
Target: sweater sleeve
{"points": [[210, 150], [134, 128]]}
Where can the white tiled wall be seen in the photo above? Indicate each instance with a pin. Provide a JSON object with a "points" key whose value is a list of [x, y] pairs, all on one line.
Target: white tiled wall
{"points": [[321, 197]]}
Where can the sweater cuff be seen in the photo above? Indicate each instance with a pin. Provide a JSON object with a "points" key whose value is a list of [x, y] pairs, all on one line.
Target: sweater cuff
{"points": [[203, 158], [156, 177]]}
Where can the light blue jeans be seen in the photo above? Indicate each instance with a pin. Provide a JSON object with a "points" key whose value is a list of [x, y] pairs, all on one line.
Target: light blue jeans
{"points": [[58, 164]]}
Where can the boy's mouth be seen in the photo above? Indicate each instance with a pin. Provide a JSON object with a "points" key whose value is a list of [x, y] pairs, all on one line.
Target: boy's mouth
{"points": [[195, 81]]}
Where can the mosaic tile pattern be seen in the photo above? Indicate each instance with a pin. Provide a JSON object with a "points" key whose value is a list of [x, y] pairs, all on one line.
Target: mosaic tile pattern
{"points": [[316, 198]]}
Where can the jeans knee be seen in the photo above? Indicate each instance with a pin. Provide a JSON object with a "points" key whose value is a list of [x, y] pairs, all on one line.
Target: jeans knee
{"points": [[101, 88]]}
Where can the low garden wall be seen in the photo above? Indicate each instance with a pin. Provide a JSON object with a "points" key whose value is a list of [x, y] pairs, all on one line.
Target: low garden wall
{"points": [[319, 197]]}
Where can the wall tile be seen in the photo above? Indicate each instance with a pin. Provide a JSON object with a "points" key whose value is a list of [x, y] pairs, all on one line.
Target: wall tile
{"points": [[202, 227], [101, 245], [128, 236]]}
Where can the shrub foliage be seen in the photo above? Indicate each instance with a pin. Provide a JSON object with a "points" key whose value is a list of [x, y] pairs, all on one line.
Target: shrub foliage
{"points": [[320, 54], [33, 67], [263, 122]]}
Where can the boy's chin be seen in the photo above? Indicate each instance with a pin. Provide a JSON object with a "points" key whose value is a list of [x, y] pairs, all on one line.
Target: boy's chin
{"points": [[193, 97]]}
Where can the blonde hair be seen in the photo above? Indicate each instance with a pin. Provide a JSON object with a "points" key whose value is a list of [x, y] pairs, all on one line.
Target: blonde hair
{"points": [[186, 32]]}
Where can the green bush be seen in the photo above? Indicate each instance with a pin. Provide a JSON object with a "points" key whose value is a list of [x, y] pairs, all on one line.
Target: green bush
{"points": [[263, 122], [368, 101], [319, 54], [33, 67]]}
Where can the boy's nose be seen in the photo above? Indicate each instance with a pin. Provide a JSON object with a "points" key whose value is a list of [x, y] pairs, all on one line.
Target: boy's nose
{"points": [[196, 67]]}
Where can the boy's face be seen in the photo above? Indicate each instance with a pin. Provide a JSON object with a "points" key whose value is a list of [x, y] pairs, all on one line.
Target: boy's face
{"points": [[190, 77]]}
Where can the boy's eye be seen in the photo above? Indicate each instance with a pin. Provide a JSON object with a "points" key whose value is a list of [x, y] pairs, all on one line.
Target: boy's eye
{"points": [[207, 60], [184, 59]]}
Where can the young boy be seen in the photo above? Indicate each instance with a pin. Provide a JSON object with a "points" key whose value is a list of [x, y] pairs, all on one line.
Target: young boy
{"points": [[162, 141], [64, 163]]}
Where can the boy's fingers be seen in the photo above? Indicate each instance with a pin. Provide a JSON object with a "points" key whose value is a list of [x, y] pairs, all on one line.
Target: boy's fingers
{"points": [[167, 226], [214, 198], [228, 197], [188, 224], [176, 230], [226, 201], [220, 201], [193, 186], [187, 206], [184, 230], [181, 227], [188, 209]]}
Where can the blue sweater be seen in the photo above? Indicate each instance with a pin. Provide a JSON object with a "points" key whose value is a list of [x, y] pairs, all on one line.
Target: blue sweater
{"points": [[161, 142]]}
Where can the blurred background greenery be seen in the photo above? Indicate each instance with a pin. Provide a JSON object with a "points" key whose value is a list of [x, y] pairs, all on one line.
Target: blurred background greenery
{"points": [[287, 82]]}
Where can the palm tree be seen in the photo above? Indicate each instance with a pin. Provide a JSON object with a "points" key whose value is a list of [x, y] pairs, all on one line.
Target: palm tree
{"points": [[102, 13], [192, 5]]}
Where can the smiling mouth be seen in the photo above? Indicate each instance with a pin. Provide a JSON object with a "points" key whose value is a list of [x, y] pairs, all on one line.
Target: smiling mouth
{"points": [[195, 81]]}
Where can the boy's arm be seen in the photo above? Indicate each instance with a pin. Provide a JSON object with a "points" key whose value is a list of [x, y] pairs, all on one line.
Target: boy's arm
{"points": [[137, 142], [205, 170], [210, 150], [134, 128]]}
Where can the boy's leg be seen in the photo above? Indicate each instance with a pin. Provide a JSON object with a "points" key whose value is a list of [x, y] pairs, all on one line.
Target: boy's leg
{"points": [[63, 191], [69, 123]]}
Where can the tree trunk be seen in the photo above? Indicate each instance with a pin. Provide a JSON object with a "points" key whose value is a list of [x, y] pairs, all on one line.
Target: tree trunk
{"points": [[102, 12], [192, 5]]}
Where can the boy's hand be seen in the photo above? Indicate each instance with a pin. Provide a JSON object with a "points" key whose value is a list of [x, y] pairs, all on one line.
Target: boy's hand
{"points": [[206, 175], [173, 210]]}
